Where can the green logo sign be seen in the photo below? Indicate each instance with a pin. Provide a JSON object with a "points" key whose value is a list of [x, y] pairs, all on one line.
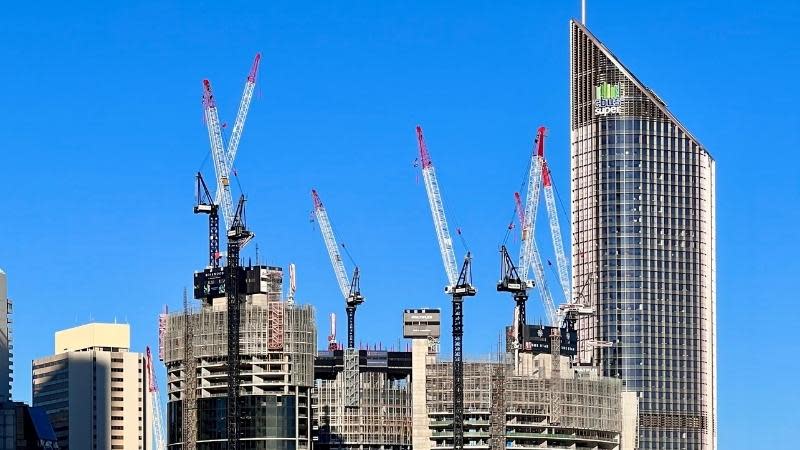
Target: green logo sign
{"points": [[607, 99]]}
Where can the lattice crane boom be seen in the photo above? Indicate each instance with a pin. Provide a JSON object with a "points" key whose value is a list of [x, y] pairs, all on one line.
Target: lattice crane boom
{"points": [[351, 290], [244, 107], [531, 206], [222, 157], [555, 231], [437, 211], [159, 439], [238, 126], [529, 251], [541, 282], [222, 168], [330, 243]]}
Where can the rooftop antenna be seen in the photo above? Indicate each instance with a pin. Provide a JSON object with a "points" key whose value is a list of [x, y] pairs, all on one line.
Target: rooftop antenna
{"points": [[583, 12]]}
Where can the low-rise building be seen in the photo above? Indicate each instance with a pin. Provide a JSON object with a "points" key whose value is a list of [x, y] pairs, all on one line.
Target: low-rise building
{"points": [[94, 389]]}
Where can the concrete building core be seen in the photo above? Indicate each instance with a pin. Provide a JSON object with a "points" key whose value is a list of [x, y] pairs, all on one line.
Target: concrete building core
{"points": [[424, 328], [94, 390], [644, 246]]}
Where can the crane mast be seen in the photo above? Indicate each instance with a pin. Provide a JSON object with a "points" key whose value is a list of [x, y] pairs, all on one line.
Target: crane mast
{"points": [[459, 286], [205, 205], [511, 282], [158, 426], [237, 235], [351, 290]]}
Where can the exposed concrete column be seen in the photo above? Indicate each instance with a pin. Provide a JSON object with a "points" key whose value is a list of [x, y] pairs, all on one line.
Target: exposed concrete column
{"points": [[420, 431]]}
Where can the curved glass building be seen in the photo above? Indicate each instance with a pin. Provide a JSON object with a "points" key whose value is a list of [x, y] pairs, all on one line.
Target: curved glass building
{"points": [[643, 246]]}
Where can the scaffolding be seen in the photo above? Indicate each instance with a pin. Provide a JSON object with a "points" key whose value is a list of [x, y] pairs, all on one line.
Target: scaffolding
{"points": [[506, 408], [497, 419], [277, 348], [189, 416]]}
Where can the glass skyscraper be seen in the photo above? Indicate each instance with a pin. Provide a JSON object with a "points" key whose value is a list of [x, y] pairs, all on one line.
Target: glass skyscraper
{"points": [[644, 246]]}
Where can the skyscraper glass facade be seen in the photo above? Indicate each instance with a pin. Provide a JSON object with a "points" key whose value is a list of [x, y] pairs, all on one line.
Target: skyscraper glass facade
{"points": [[643, 246]]}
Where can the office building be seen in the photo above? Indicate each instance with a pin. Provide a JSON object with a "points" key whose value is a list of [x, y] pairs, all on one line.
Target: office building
{"points": [[7, 414], [644, 245], [94, 389]]}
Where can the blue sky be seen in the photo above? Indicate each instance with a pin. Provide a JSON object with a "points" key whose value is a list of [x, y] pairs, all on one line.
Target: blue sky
{"points": [[104, 133]]}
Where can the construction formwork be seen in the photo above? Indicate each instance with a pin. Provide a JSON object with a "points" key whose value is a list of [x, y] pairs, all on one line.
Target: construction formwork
{"points": [[505, 407], [277, 347]]}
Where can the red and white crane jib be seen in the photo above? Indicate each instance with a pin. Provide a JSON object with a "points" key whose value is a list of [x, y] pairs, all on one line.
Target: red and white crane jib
{"points": [[223, 158], [555, 231], [330, 243], [158, 429], [528, 226], [221, 167], [437, 210]]}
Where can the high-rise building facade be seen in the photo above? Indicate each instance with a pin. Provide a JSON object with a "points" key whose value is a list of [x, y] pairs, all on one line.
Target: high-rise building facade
{"points": [[643, 246], [7, 413], [94, 389]]}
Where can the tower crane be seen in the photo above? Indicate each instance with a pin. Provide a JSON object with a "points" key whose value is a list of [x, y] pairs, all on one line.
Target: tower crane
{"points": [[158, 426], [459, 285], [222, 157], [351, 289]]}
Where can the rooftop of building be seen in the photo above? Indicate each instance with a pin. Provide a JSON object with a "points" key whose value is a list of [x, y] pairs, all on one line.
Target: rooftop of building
{"points": [[110, 336], [647, 91]]}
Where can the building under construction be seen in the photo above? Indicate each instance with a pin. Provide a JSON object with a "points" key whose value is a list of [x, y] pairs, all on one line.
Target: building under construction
{"points": [[366, 406], [276, 372], [537, 399], [533, 406]]}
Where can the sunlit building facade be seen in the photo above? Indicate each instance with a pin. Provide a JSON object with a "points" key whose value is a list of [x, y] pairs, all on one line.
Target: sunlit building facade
{"points": [[643, 246]]}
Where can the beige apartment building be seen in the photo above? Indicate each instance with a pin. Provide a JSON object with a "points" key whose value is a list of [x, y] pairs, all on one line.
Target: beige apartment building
{"points": [[94, 389]]}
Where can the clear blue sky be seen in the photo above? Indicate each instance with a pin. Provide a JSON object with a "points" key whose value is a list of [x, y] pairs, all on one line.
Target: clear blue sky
{"points": [[104, 132]]}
